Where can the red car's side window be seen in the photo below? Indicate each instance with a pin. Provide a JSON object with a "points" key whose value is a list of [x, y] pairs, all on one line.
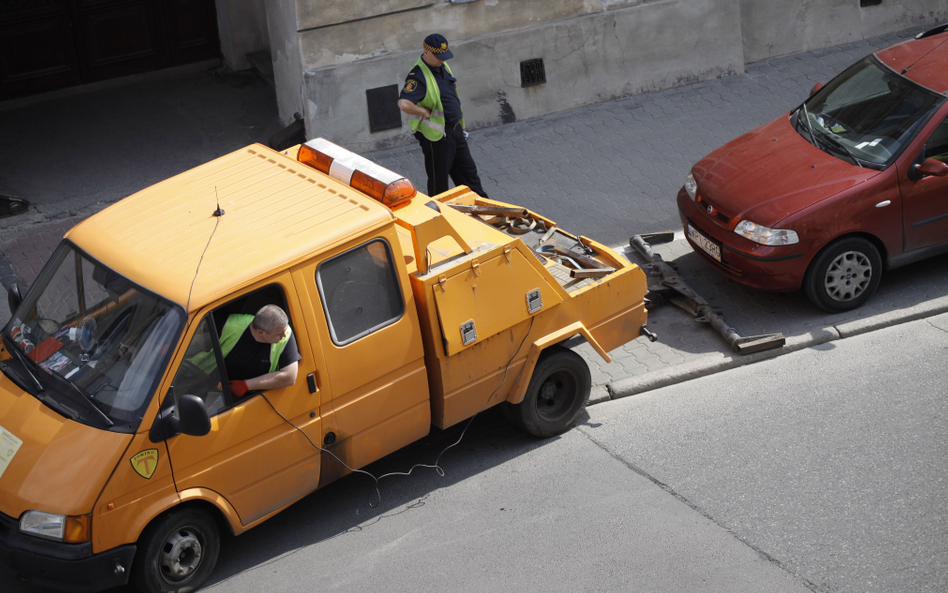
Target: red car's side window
{"points": [[937, 145]]}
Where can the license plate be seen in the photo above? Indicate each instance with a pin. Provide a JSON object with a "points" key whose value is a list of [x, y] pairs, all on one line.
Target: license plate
{"points": [[706, 244]]}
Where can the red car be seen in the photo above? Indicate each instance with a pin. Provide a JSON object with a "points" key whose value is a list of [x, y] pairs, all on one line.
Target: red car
{"points": [[852, 182]]}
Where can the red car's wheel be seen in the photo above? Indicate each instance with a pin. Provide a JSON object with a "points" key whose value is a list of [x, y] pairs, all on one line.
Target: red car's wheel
{"points": [[844, 275]]}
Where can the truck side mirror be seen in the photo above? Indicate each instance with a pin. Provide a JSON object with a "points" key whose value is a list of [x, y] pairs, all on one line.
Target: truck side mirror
{"points": [[815, 88], [193, 416], [932, 167], [15, 297], [188, 417]]}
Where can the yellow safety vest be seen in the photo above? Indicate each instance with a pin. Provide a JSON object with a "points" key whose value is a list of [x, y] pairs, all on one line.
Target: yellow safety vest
{"points": [[433, 127]]}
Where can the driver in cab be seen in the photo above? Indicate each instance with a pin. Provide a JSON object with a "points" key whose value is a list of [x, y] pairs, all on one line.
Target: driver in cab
{"points": [[260, 351]]}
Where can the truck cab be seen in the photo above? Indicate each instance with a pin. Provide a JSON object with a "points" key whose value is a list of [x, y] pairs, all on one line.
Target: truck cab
{"points": [[124, 451]]}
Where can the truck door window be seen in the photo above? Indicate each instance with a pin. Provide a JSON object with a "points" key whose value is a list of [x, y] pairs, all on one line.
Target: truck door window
{"points": [[360, 291], [199, 373]]}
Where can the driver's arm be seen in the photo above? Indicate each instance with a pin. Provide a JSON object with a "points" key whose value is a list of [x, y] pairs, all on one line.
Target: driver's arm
{"points": [[284, 377]]}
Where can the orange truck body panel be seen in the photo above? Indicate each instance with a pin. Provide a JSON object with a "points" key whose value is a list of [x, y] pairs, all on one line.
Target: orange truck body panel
{"points": [[357, 400]]}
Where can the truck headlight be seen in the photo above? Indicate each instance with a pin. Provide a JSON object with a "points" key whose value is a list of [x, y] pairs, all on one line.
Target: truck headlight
{"points": [[764, 235], [60, 528], [691, 186]]}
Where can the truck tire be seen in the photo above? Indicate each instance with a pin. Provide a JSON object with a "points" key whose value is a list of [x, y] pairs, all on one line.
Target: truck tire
{"points": [[557, 394], [177, 552]]}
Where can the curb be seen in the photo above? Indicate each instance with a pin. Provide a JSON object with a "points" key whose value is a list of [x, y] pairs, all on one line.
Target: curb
{"points": [[7, 276], [701, 368]]}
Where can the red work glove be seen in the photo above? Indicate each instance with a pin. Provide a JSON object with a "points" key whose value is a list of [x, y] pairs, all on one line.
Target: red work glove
{"points": [[238, 388]]}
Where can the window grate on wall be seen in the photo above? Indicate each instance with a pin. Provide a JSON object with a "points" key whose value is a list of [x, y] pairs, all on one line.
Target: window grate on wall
{"points": [[865, 3], [532, 72], [382, 103]]}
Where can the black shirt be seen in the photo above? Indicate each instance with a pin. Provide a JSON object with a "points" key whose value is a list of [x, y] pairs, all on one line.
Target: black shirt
{"points": [[250, 358], [415, 90]]}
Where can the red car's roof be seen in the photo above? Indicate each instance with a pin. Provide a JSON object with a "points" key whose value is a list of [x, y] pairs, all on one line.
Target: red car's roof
{"points": [[926, 60]]}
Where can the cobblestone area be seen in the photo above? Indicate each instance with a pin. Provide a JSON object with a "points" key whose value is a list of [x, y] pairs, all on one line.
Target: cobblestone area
{"points": [[611, 171]]}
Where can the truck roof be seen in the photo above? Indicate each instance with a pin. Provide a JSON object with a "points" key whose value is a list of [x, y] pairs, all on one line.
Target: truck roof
{"points": [[276, 212]]}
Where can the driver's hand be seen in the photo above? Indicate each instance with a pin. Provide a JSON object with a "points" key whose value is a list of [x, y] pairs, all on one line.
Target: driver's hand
{"points": [[238, 388]]}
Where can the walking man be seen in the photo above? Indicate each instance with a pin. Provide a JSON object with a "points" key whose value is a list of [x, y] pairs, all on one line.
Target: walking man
{"points": [[430, 98]]}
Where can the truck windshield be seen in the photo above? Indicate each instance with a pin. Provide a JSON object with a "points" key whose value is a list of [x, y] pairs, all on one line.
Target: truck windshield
{"points": [[90, 343], [866, 115]]}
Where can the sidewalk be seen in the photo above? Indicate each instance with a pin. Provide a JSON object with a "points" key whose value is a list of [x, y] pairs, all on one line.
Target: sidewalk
{"points": [[608, 171]]}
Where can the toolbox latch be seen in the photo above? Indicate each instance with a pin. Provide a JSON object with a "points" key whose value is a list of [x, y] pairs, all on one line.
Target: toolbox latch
{"points": [[468, 333], [534, 300]]}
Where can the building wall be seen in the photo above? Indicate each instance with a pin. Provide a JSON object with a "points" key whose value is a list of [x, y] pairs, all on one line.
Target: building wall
{"points": [[603, 54], [394, 26], [243, 30], [777, 27], [285, 52], [328, 53]]}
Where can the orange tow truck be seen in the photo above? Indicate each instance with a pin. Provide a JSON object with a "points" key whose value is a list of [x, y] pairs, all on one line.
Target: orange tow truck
{"points": [[123, 451]]}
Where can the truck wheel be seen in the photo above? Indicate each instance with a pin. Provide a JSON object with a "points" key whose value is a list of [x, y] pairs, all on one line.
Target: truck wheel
{"points": [[557, 394], [844, 275], [177, 553]]}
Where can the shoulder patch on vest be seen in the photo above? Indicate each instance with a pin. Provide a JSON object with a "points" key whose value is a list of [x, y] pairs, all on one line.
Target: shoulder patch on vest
{"points": [[410, 85]]}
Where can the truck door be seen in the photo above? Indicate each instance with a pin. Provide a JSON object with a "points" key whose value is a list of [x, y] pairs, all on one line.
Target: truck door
{"points": [[252, 457], [925, 200], [362, 306]]}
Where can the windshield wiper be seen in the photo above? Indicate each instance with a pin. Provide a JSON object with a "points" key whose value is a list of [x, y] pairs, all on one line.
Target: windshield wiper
{"points": [[806, 124], [26, 365], [89, 400], [840, 145]]}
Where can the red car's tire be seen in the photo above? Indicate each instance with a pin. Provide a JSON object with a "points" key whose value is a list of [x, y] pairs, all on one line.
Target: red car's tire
{"points": [[844, 274]]}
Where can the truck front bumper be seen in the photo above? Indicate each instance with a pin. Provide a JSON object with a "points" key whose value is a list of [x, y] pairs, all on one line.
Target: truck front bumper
{"points": [[62, 567]]}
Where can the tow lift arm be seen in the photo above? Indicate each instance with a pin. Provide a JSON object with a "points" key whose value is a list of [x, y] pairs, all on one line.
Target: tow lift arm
{"points": [[666, 284]]}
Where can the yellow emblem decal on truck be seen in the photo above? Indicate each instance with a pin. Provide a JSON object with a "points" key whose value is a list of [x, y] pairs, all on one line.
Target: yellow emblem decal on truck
{"points": [[145, 463]]}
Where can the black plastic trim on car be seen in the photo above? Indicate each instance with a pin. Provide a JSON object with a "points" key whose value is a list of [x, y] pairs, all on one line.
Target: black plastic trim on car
{"points": [[930, 220], [934, 31], [759, 258], [916, 255]]}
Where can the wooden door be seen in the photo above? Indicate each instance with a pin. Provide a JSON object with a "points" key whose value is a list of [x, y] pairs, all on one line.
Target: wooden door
{"points": [[50, 44]]}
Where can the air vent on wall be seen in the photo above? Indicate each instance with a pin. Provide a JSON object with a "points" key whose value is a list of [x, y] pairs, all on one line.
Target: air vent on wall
{"points": [[384, 113], [532, 72]]}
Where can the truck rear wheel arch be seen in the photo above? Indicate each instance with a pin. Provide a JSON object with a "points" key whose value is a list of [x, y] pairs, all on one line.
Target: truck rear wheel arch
{"points": [[556, 395]]}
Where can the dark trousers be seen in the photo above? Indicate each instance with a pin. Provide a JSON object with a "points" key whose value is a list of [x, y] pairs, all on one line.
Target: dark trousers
{"points": [[449, 156]]}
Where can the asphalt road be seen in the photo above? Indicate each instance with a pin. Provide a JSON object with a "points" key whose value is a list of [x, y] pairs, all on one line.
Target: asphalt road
{"points": [[831, 461], [761, 478]]}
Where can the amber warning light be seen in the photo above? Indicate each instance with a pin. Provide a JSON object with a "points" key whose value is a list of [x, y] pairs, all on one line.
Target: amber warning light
{"points": [[357, 172]]}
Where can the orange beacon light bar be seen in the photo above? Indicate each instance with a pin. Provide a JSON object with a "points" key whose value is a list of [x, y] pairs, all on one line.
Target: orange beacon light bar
{"points": [[357, 172]]}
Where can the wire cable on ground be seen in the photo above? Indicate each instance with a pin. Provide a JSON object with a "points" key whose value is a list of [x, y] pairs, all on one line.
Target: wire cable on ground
{"points": [[436, 465]]}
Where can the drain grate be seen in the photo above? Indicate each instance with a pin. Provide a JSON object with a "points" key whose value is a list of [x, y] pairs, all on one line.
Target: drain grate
{"points": [[532, 72], [12, 206]]}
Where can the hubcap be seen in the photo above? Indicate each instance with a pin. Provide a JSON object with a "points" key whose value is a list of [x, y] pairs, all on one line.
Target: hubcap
{"points": [[848, 276], [557, 395], [181, 555]]}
